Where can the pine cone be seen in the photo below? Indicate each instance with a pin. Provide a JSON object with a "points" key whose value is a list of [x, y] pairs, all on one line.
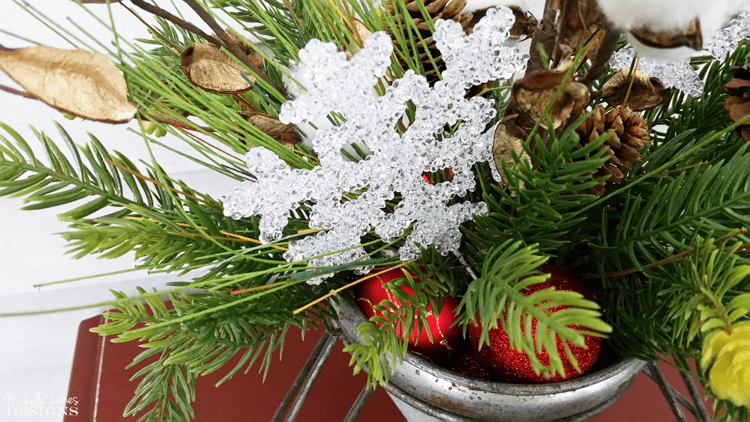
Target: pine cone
{"points": [[630, 135], [438, 9], [738, 102]]}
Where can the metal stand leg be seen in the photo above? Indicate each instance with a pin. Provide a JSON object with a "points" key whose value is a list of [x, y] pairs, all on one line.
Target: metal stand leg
{"points": [[313, 363], [669, 393], [702, 413], [358, 404]]}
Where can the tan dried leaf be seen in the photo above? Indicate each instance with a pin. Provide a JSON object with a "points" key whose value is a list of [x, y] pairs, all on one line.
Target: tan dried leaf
{"points": [[361, 31], [287, 135], [254, 57], [76, 82], [211, 69], [502, 149], [691, 36], [645, 93], [579, 21], [533, 92]]}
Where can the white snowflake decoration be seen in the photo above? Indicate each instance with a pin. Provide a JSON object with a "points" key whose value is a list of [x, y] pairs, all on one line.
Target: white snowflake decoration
{"points": [[397, 162]]}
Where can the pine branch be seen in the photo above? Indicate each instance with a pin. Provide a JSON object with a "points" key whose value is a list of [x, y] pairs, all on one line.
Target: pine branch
{"points": [[708, 199], [525, 210]]}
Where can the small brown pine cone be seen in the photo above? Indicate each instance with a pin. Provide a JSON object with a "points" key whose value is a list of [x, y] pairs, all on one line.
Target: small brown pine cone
{"points": [[437, 9], [737, 103], [629, 136]]}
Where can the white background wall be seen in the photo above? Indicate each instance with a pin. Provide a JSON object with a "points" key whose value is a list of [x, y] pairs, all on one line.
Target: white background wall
{"points": [[37, 351]]}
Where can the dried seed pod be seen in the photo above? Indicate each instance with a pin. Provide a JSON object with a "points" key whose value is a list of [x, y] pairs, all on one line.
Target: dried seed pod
{"points": [[211, 69], [533, 92], [254, 57], [287, 135], [629, 136], [579, 21], [76, 82], [645, 93], [503, 146]]}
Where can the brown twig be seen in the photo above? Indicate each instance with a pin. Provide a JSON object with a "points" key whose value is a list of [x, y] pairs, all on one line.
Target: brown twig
{"points": [[140, 176], [157, 33], [289, 6], [544, 34], [158, 11], [176, 123], [676, 257], [230, 45], [17, 92]]}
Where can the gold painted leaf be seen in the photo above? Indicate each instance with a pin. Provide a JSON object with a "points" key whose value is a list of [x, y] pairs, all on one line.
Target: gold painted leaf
{"points": [[211, 69], [76, 82], [285, 134]]}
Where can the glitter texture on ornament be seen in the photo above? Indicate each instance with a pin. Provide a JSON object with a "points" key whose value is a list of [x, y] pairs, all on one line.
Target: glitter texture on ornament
{"points": [[397, 162], [725, 41], [673, 73]]}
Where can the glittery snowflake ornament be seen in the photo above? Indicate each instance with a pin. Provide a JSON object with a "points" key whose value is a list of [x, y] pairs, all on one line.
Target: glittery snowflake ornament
{"points": [[725, 41], [348, 196]]}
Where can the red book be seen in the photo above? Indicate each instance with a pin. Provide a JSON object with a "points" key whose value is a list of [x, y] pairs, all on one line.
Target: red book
{"points": [[101, 387]]}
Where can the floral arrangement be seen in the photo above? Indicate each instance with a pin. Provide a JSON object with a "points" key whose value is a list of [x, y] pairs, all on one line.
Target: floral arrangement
{"points": [[415, 155]]}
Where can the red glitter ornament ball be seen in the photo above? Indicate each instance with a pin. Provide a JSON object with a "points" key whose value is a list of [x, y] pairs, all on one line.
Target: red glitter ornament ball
{"points": [[514, 366], [445, 339]]}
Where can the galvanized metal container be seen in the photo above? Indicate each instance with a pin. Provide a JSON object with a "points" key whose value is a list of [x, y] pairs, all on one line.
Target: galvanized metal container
{"points": [[427, 392]]}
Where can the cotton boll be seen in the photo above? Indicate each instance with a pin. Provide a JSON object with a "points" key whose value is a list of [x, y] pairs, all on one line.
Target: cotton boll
{"points": [[678, 53], [670, 15], [664, 15]]}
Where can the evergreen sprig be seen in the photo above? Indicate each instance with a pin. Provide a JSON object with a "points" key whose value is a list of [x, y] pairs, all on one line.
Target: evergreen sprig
{"points": [[524, 210], [657, 215]]}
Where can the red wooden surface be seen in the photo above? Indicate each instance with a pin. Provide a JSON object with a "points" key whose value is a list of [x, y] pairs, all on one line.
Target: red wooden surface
{"points": [[103, 388]]}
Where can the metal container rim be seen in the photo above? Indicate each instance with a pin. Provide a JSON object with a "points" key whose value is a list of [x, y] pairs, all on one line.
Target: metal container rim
{"points": [[421, 364], [583, 381]]}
